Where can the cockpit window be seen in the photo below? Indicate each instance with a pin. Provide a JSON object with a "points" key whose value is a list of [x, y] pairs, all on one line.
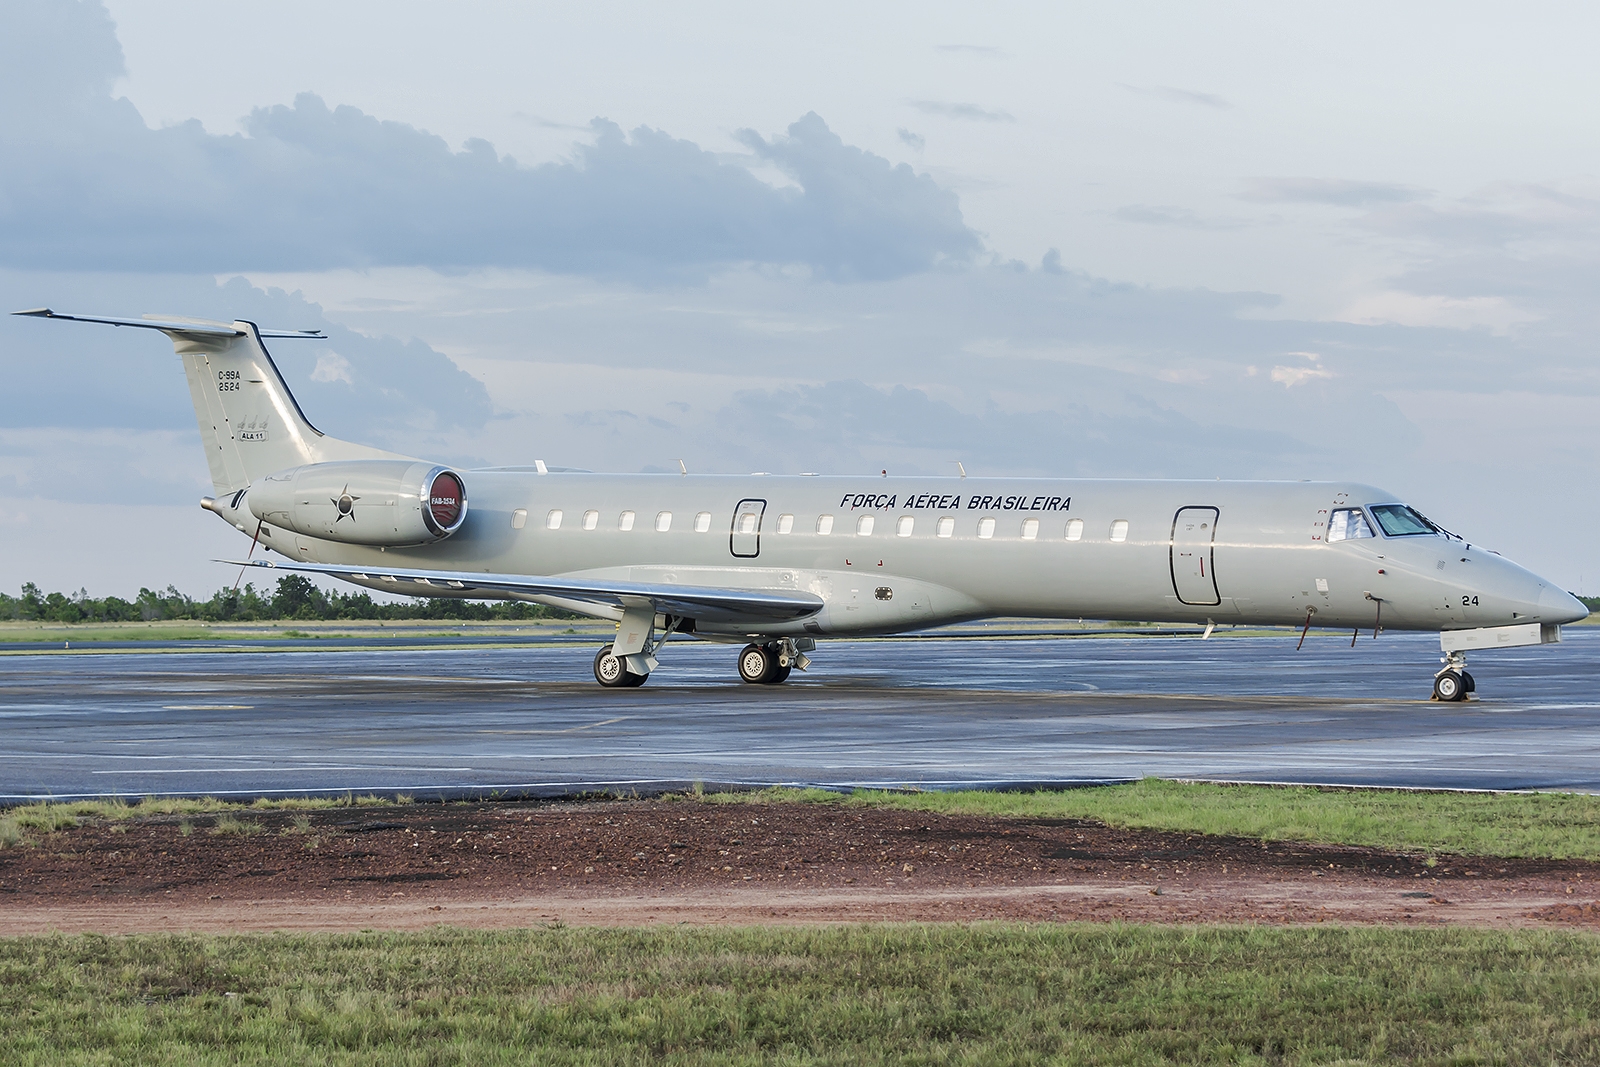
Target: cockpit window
{"points": [[1346, 524], [1398, 520]]}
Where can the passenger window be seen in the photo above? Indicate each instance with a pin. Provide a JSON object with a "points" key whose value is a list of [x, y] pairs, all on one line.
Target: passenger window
{"points": [[1030, 529], [947, 526], [663, 521], [864, 525], [824, 524], [591, 519], [519, 518], [1347, 524], [1119, 530], [552, 521], [747, 523], [1074, 529], [904, 527], [625, 521], [702, 522], [785, 523], [986, 528], [1398, 520]]}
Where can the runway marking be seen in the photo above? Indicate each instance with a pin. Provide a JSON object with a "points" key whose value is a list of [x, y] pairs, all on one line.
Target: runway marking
{"points": [[207, 707], [568, 730]]}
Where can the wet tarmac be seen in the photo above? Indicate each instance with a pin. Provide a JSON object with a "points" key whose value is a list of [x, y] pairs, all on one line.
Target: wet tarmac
{"points": [[933, 713]]}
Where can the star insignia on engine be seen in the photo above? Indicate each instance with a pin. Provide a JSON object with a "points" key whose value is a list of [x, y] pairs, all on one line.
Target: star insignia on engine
{"points": [[346, 504]]}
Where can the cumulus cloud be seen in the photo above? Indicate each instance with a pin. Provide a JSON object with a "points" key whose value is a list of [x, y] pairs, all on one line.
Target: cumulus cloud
{"points": [[85, 184]]}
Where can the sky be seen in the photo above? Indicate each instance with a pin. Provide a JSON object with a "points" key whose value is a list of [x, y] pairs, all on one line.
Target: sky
{"points": [[1238, 240]]}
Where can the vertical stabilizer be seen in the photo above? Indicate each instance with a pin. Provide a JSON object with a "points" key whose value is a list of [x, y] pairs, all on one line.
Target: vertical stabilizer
{"points": [[250, 423]]}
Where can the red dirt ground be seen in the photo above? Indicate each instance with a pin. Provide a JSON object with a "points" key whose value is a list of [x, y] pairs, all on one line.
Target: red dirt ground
{"points": [[627, 863]]}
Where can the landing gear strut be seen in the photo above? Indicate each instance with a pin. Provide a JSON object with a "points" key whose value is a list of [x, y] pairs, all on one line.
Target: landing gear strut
{"points": [[769, 664], [1453, 682], [630, 670]]}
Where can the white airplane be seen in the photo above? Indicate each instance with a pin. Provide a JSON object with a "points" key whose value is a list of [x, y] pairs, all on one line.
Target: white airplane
{"points": [[774, 563]]}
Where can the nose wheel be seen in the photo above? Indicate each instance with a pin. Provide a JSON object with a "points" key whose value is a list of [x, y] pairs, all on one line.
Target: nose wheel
{"points": [[1453, 682]]}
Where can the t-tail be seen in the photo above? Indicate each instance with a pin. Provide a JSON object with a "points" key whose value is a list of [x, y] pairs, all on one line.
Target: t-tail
{"points": [[250, 423]]}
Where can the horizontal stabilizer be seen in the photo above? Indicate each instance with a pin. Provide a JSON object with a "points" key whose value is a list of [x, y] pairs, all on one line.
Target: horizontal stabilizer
{"points": [[695, 602], [200, 327]]}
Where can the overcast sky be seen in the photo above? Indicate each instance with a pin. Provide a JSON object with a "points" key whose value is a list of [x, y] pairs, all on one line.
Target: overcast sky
{"points": [[1226, 240]]}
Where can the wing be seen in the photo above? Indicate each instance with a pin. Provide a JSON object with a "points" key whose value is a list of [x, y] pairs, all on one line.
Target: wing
{"points": [[696, 602]]}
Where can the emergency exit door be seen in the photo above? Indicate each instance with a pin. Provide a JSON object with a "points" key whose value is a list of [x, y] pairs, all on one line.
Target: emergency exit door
{"points": [[1194, 537], [745, 540]]}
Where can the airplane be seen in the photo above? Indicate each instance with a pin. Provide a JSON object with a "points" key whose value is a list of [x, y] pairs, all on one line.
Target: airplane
{"points": [[775, 563]]}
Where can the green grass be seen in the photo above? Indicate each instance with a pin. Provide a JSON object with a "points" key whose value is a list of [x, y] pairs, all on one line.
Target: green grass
{"points": [[1546, 825], [1543, 825], [230, 824], [842, 995], [46, 816]]}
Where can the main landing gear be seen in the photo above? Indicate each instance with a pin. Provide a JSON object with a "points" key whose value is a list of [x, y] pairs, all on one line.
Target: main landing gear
{"points": [[611, 672], [1453, 683], [769, 664]]}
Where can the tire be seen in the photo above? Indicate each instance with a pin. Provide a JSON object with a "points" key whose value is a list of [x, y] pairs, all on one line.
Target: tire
{"points": [[611, 672], [757, 664], [1450, 686], [1472, 686], [782, 674]]}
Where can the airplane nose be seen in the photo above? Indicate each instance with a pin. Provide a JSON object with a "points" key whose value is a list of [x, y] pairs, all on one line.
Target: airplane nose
{"points": [[1560, 607]]}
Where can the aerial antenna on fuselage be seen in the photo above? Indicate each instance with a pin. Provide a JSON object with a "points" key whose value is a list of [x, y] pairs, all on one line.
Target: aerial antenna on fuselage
{"points": [[682, 469], [539, 466], [960, 468]]}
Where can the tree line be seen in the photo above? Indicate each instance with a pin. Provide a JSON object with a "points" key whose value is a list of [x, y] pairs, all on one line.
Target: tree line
{"points": [[296, 597]]}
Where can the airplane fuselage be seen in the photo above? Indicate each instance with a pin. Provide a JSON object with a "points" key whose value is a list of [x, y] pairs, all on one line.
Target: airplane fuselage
{"points": [[895, 554]]}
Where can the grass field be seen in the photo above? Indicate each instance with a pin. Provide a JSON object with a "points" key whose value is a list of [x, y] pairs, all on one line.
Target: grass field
{"points": [[1544, 825], [840, 995], [1548, 825]]}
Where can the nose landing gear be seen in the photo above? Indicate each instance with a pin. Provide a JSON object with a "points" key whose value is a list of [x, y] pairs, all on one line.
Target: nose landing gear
{"points": [[1453, 683]]}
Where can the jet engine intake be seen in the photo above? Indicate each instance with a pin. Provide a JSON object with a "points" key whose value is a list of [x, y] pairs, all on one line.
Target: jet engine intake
{"points": [[363, 501]]}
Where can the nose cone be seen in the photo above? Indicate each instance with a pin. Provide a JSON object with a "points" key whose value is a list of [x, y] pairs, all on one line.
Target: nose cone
{"points": [[1560, 607]]}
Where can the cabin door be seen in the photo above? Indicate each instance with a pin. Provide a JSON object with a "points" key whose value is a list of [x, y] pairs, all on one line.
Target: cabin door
{"points": [[745, 540], [1194, 536]]}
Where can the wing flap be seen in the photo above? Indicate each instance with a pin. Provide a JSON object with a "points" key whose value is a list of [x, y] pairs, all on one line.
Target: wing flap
{"points": [[691, 601]]}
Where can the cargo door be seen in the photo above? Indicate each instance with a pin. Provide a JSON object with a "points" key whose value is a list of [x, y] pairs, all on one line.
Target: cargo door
{"points": [[745, 540], [1194, 535]]}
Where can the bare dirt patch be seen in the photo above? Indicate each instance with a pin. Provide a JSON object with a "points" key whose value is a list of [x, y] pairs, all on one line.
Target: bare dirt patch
{"points": [[624, 863]]}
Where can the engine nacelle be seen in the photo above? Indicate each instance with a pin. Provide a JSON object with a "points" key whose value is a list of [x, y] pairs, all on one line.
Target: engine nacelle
{"points": [[363, 501]]}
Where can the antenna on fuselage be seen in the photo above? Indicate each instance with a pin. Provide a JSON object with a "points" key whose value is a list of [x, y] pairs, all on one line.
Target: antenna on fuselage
{"points": [[960, 468], [682, 469]]}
